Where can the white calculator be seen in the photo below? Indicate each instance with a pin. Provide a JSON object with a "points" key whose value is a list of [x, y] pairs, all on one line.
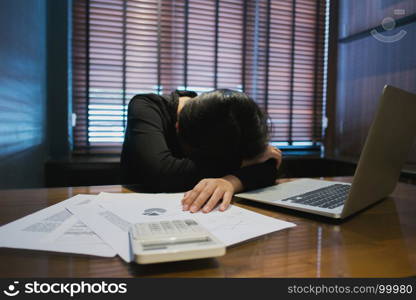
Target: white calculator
{"points": [[164, 241]]}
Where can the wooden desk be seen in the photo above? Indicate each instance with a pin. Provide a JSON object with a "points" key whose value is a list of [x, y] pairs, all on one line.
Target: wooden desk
{"points": [[379, 242]]}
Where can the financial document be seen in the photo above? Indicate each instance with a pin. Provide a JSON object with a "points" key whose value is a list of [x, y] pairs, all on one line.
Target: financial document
{"points": [[112, 215], [55, 229]]}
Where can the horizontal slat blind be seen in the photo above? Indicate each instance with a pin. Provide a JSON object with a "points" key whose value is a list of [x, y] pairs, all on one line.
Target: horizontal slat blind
{"points": [[272, 50]]}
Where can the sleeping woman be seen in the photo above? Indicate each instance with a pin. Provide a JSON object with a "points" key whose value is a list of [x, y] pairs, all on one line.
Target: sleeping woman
{"points": [[209, 146]]}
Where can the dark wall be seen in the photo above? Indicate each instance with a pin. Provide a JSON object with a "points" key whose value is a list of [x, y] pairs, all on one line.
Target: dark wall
{"points": [[366, 64], [59, 78], [22, 92]]}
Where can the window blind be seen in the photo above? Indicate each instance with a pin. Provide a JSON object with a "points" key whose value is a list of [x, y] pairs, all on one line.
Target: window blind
{"points": [[272, 50]]}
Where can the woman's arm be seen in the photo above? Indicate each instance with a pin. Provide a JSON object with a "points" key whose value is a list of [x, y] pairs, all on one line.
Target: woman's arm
{"points": [[210, 191], [258, 172]]}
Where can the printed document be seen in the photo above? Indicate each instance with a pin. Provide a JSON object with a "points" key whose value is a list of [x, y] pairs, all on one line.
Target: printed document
{"points": [[55, 229]]}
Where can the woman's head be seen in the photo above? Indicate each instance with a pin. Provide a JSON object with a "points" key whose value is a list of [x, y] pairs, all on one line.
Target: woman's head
{"points": [[223, 124]]}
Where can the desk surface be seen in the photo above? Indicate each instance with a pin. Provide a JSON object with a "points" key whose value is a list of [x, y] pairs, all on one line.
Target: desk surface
{"points": [[379, 242]]}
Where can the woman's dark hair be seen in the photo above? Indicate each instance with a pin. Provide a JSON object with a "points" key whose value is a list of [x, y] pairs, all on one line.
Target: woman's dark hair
{"points": [[223, 124]]}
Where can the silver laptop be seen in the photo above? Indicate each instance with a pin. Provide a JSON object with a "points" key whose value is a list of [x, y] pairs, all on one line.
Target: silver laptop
{"points": [[386, 149]]}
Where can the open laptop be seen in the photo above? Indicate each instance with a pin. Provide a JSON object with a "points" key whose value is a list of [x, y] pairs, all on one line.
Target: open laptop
{"points": [[385, 151]]}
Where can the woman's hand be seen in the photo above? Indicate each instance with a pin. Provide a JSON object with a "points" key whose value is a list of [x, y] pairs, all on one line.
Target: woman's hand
{"points": [[270, 152], [208, 192]]}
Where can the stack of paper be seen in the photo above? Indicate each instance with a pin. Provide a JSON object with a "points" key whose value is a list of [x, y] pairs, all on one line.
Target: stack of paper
{"points": [[99, 225], [55, 229]]}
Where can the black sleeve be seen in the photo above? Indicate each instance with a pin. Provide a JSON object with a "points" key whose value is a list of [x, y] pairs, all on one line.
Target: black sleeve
{"points": [[157, 169], [257, 176]]}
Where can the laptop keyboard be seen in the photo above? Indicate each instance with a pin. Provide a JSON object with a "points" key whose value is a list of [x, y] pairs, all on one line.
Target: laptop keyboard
{"points": [[327, 197]]}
